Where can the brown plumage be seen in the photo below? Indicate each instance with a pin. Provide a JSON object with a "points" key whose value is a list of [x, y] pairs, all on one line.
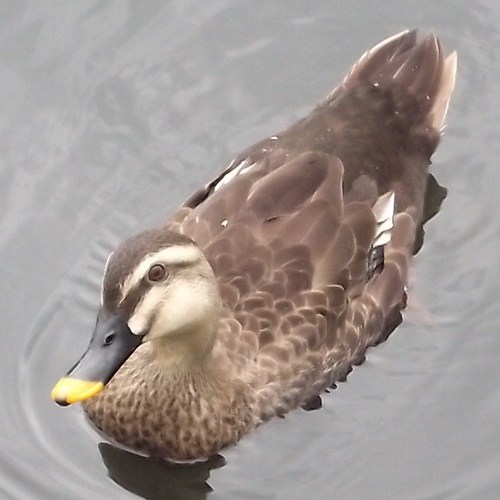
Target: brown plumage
{"points": [[290, 230]]}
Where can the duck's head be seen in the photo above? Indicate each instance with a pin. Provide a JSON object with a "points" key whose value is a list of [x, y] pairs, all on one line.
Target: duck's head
{"points": [[157, 286]]}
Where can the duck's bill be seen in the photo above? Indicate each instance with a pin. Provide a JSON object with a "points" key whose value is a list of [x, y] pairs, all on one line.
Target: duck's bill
{"points": [[110, 346]]}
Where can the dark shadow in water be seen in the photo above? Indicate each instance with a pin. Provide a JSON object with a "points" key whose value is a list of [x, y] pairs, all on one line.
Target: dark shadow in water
{"points": [[434, 197], [155, 479]]}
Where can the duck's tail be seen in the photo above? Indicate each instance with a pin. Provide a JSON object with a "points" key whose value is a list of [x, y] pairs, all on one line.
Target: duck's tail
{"points": [[418, 66]]}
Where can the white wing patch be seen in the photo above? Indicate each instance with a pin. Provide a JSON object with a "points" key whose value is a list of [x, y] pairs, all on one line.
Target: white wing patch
{"points": [[242, 168], [384, 212], [247, 169]]}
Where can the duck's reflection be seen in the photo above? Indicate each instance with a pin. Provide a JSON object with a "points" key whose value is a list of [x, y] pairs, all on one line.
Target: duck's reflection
{"points": [[154, 479]]}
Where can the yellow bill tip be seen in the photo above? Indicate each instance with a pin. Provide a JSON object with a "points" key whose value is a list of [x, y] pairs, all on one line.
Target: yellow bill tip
{"points": [[72, 390]]}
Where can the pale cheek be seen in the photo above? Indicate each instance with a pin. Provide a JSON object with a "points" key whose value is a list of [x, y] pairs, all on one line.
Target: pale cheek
{"points": [[137, 324], [182, 312], [184, 308]]}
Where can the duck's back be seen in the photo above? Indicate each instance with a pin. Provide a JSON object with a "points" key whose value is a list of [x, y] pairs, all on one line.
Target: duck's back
{"points": [[302, 231]]}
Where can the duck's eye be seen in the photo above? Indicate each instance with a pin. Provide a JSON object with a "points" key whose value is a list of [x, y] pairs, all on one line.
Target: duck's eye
{"points": [[157, 273]]}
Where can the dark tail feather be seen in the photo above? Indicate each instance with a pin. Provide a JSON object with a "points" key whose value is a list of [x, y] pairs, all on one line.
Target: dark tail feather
{"points": [[419, 66]]}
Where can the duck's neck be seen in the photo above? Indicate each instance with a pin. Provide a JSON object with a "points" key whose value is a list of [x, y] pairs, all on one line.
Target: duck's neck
{"points": [[186, 351], [173, 407]]}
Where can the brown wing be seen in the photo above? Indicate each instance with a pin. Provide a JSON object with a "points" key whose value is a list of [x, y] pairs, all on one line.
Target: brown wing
{"points": [[288, 226], [288, 256]]}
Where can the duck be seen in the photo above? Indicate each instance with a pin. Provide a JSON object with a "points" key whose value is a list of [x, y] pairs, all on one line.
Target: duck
{"points": [[272, 280]]}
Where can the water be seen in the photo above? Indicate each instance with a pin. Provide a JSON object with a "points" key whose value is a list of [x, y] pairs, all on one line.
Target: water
{"points": [[112, 114]]}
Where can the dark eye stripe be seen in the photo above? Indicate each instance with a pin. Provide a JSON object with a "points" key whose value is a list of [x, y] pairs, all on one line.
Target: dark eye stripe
{"points": [[134, 296]]}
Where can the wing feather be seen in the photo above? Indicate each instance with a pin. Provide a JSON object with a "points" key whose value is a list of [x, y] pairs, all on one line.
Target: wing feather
{"points": [[290, 224]]}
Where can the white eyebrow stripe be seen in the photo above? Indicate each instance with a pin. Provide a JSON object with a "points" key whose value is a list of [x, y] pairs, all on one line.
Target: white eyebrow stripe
{"points": [[103, 275], [171, 256]]}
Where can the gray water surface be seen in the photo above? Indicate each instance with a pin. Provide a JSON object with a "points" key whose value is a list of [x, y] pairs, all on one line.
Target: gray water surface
{"points": [[112, 113]]}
